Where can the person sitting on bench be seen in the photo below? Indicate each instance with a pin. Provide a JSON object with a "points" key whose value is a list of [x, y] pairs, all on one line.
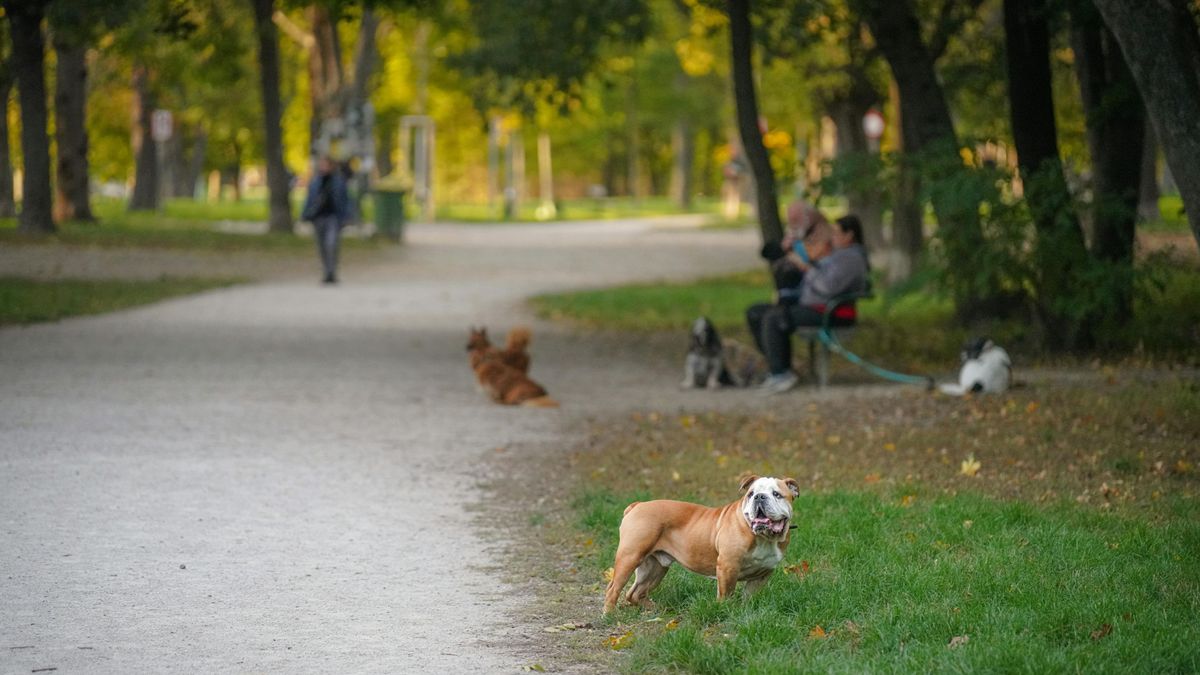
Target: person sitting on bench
{"points": [[835, 269]]}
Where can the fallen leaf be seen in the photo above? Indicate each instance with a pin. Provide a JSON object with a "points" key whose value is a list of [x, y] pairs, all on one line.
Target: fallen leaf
{"points": [[871, 478], [907, 500], [672, 624], [565, 627], [1183, 467], [1102, 632], [818, 633], [890, 447], [722, 460], [967, 524], [958, 641], [1032, 407], [970, 466], [608, 574], [536, 667], [833, 440], [619, 641], [676, 477]]}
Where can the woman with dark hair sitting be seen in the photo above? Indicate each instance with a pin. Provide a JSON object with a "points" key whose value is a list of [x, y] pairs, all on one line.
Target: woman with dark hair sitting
{"points": [[836, 269]]}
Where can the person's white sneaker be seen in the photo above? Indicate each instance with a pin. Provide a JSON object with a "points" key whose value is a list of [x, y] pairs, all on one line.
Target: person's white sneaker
{"points": [[777, 384]]}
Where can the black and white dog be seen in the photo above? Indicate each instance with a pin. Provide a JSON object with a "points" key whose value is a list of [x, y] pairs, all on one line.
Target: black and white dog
{"points": [[713, 363], [986, 368]]}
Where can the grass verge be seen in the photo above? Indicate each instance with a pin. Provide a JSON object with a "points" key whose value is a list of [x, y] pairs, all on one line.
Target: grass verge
{"points": [[23, 301], [182, 224], [1053, 529], [908, 328]]}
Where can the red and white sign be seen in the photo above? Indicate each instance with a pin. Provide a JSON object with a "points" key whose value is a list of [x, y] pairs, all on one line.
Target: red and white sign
{"points": [[161, 125], [873, 124]]}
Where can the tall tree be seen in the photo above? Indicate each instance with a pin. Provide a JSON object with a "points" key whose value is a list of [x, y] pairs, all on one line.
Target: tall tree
{"points": [[741, 58], [8, 207], [1060, 246], [75, 25], [145, 181], [28, 59], [1116, 132], [70, 130], [927, 132], [1161, 44], [280, 211]]}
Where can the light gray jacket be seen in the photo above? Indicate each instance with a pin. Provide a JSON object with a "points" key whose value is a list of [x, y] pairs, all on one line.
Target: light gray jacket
{"points": [[843, 271]]}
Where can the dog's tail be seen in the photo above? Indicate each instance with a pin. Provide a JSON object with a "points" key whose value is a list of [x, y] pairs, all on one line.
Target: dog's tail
{"points": [[540, 402], [518, 338]]}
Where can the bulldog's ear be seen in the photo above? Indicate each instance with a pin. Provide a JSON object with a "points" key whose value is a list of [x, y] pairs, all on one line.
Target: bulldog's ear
{"points": [[747, 479], [793, 486]]}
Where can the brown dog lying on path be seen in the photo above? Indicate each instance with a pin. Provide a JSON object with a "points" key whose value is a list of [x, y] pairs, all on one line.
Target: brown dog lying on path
{"points": [[515, 353], [742, 541], [502, 382]]}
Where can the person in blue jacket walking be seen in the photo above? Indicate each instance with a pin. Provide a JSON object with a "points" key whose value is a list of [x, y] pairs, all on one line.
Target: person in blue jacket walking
{"points": [[327, 207]]}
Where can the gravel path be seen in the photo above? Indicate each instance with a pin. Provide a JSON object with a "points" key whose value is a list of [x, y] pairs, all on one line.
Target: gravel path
{"points": [[284, 477]]}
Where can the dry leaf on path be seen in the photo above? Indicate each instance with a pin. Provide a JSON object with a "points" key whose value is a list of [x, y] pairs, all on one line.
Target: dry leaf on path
{"points": [[970, 466], [619, 641]]}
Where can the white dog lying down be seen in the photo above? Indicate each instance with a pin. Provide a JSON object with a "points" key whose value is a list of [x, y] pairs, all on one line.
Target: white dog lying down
{"points": [[986, 368]]}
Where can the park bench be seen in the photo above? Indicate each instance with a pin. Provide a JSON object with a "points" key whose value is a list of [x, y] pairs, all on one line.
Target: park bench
{"points": [[827, 338], [820, 338]]}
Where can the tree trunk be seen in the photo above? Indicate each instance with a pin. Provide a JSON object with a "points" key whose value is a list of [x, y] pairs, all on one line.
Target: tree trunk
{"points": [[1116, 127], [145, 175], [1149, 192], [863, 200], [8, 205], [633, 171], [683, 149], [1060, 248], [28, 60], [279, 216], [1162, 48], [928, 132], [325, 75], [71, 199], [907, 223], [741, 44]]}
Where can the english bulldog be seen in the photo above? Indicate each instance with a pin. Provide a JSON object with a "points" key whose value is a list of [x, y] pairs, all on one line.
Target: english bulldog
{"points": [[742, 541]]}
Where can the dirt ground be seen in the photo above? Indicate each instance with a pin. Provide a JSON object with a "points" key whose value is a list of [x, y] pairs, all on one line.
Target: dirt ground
{"points": [[283, 477]]}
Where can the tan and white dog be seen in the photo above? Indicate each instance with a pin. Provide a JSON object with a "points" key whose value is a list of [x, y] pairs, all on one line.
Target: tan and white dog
{"points": [[741, 541]]}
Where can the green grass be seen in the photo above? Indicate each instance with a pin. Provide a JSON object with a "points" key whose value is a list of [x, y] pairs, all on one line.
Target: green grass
{"points": [[575, 209], [891, 586], [182, 224], [908, 327], [23, 301]]}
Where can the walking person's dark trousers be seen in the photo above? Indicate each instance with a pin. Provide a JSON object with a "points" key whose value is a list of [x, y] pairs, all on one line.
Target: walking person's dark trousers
{"points": [[327, 232]]}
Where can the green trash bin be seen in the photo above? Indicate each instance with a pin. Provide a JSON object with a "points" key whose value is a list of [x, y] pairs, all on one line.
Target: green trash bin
{"points": [[389, 213]]}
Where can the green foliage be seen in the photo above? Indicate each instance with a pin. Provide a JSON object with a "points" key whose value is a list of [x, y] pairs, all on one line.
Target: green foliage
{"points": [[882, 583], [23, 301], [547, 40]]}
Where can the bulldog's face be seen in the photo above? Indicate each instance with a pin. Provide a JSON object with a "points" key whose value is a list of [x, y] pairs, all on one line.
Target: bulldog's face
{"points": [[767, 504]]}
